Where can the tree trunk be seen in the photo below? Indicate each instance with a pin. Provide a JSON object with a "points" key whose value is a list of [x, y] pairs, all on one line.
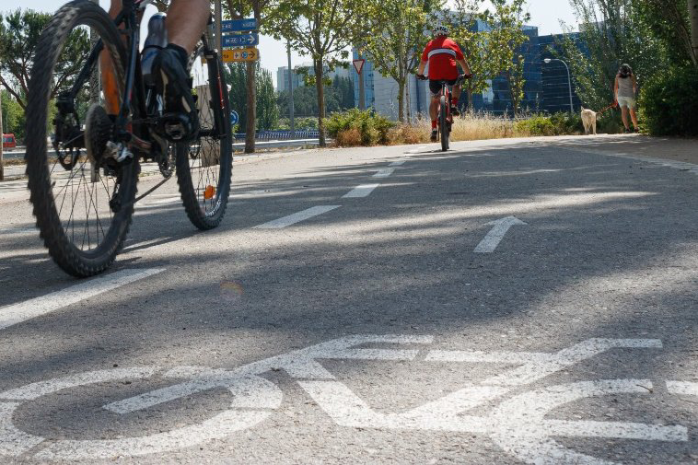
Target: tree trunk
{"points": [[251, 123], [401, 101], [251, 120], [407, 102], [319, 76], [693, 15]]}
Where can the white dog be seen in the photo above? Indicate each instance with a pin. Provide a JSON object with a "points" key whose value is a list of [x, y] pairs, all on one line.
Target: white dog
{"points": [[589, 120]]}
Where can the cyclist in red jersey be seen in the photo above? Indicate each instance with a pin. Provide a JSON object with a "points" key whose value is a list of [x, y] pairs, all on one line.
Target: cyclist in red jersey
{"points": [[442, 54]]}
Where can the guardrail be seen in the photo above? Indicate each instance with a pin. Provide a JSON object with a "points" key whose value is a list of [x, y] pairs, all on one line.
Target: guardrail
{"points": [[281, 135]]}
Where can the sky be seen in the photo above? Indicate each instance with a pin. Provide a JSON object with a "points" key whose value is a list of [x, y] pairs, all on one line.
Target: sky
{"points": [[546, 14]]}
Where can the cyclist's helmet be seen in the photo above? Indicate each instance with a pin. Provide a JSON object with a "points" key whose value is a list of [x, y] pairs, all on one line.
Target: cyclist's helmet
{"points": [[440, 30]]}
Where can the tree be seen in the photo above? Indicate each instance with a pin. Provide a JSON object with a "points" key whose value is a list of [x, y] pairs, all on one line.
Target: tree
{"points": [[396, 37], [12, 116], [669, 21], [612, 32], [268, 110], [507, 35], [19, 35], [268, 113], [319, 28]]}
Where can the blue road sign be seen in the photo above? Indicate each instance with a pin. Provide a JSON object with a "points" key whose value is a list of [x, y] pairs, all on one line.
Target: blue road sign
{"points": [[239, 25], [240, 40], [234, 118]]}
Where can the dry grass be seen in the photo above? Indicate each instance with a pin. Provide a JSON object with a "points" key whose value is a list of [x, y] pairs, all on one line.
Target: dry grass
{"points": [[349, 138], [479, 127]]}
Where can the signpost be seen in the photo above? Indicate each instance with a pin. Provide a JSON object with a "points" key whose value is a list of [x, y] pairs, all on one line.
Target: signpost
{"points": [[240, 54], [241, 40], [359, 66], [239, 25]]}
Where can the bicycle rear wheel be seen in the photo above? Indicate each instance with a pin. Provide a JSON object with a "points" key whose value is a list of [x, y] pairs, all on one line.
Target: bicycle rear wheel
{"points": [[443, 124], [83, 207], [204, 167]]}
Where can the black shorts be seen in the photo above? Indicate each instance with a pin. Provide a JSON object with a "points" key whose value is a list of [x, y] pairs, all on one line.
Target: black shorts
{"points": [[435, 86]]}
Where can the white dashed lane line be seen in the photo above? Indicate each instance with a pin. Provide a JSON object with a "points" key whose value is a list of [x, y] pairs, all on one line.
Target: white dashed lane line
{"points": [[363, 190], [397, 163], [18, 313], [384, 173], [297, 217]]}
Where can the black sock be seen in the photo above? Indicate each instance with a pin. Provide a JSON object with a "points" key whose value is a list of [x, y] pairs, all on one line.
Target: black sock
{"points": [[181, 54]]}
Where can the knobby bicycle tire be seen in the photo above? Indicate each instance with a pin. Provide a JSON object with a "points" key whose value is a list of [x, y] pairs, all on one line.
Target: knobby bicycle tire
{"points": [[207, 213], [64, 251]]}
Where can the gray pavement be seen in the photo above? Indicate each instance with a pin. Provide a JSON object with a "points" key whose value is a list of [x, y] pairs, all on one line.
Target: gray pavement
{"points": [[518, 301]]}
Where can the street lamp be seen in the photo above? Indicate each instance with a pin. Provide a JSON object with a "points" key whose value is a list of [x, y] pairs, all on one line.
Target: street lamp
{"points": [[569, 80]]}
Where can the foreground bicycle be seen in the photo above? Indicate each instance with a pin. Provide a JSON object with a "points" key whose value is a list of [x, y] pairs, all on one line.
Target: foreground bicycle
{"points": [[85, 191]]}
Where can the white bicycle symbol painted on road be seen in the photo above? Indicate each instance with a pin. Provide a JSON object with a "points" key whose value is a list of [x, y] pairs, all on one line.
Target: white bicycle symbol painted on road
{"points": [[517, 424]]}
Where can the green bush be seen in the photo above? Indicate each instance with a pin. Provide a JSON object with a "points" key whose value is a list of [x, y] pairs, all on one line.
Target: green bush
{"points": [[373, 128], [535, 126], [566, 123], [669, 103]]}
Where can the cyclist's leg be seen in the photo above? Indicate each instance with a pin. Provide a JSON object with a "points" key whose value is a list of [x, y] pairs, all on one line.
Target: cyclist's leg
{"points": [[455, 96], [186, 21], [435, 88]]}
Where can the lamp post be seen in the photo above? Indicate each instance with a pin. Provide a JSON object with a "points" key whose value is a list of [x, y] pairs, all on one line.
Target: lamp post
{"points": [[569, 79]]}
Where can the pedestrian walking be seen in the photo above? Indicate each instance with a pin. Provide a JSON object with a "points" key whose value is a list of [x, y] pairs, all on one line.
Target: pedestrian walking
{"points": [[625, 91]]}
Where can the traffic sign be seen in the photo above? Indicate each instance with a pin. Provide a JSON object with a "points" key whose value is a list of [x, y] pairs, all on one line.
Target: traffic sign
{"points": [[359, 65], [240, 54], [241, 40], [239, 25], [234, 118]]}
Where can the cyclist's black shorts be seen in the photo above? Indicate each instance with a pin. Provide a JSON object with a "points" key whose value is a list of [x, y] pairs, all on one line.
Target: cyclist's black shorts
{"points": [[435, 86]]}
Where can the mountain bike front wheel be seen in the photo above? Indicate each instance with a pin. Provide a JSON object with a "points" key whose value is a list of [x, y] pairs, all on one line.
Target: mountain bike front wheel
{"points": [[83, 204]]}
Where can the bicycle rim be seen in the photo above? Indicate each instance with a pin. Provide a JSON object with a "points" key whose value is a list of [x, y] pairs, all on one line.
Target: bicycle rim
{"points": [[77, 201], [204, 167]]}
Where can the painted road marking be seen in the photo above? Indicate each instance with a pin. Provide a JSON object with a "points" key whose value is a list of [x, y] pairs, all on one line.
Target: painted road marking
{"points": [[397, 163], [9, 231], [495, 236], [18, 313], [244, 412], [297, 217], [519, 424], [526, 434], [536, 366], [384, 173], [683, 388], [679, 165], [363, 190]]}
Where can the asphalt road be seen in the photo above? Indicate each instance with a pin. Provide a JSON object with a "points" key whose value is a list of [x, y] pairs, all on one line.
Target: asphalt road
{"points": [[506, 302]]}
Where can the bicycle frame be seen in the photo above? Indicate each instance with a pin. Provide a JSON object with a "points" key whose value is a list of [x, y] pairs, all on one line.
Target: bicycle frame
{"points": [[128, 21]]}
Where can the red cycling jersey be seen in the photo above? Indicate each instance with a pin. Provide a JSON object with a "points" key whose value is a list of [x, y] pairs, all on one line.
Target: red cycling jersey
{"points": [[442, 53]]}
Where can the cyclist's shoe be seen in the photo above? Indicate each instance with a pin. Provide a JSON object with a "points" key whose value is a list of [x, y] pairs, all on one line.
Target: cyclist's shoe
{"points": [[180, 122], [454, 110], [434, 135]]}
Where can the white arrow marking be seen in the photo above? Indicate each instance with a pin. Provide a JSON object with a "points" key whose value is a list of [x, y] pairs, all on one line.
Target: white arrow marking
{"points": [[495, 236]]}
